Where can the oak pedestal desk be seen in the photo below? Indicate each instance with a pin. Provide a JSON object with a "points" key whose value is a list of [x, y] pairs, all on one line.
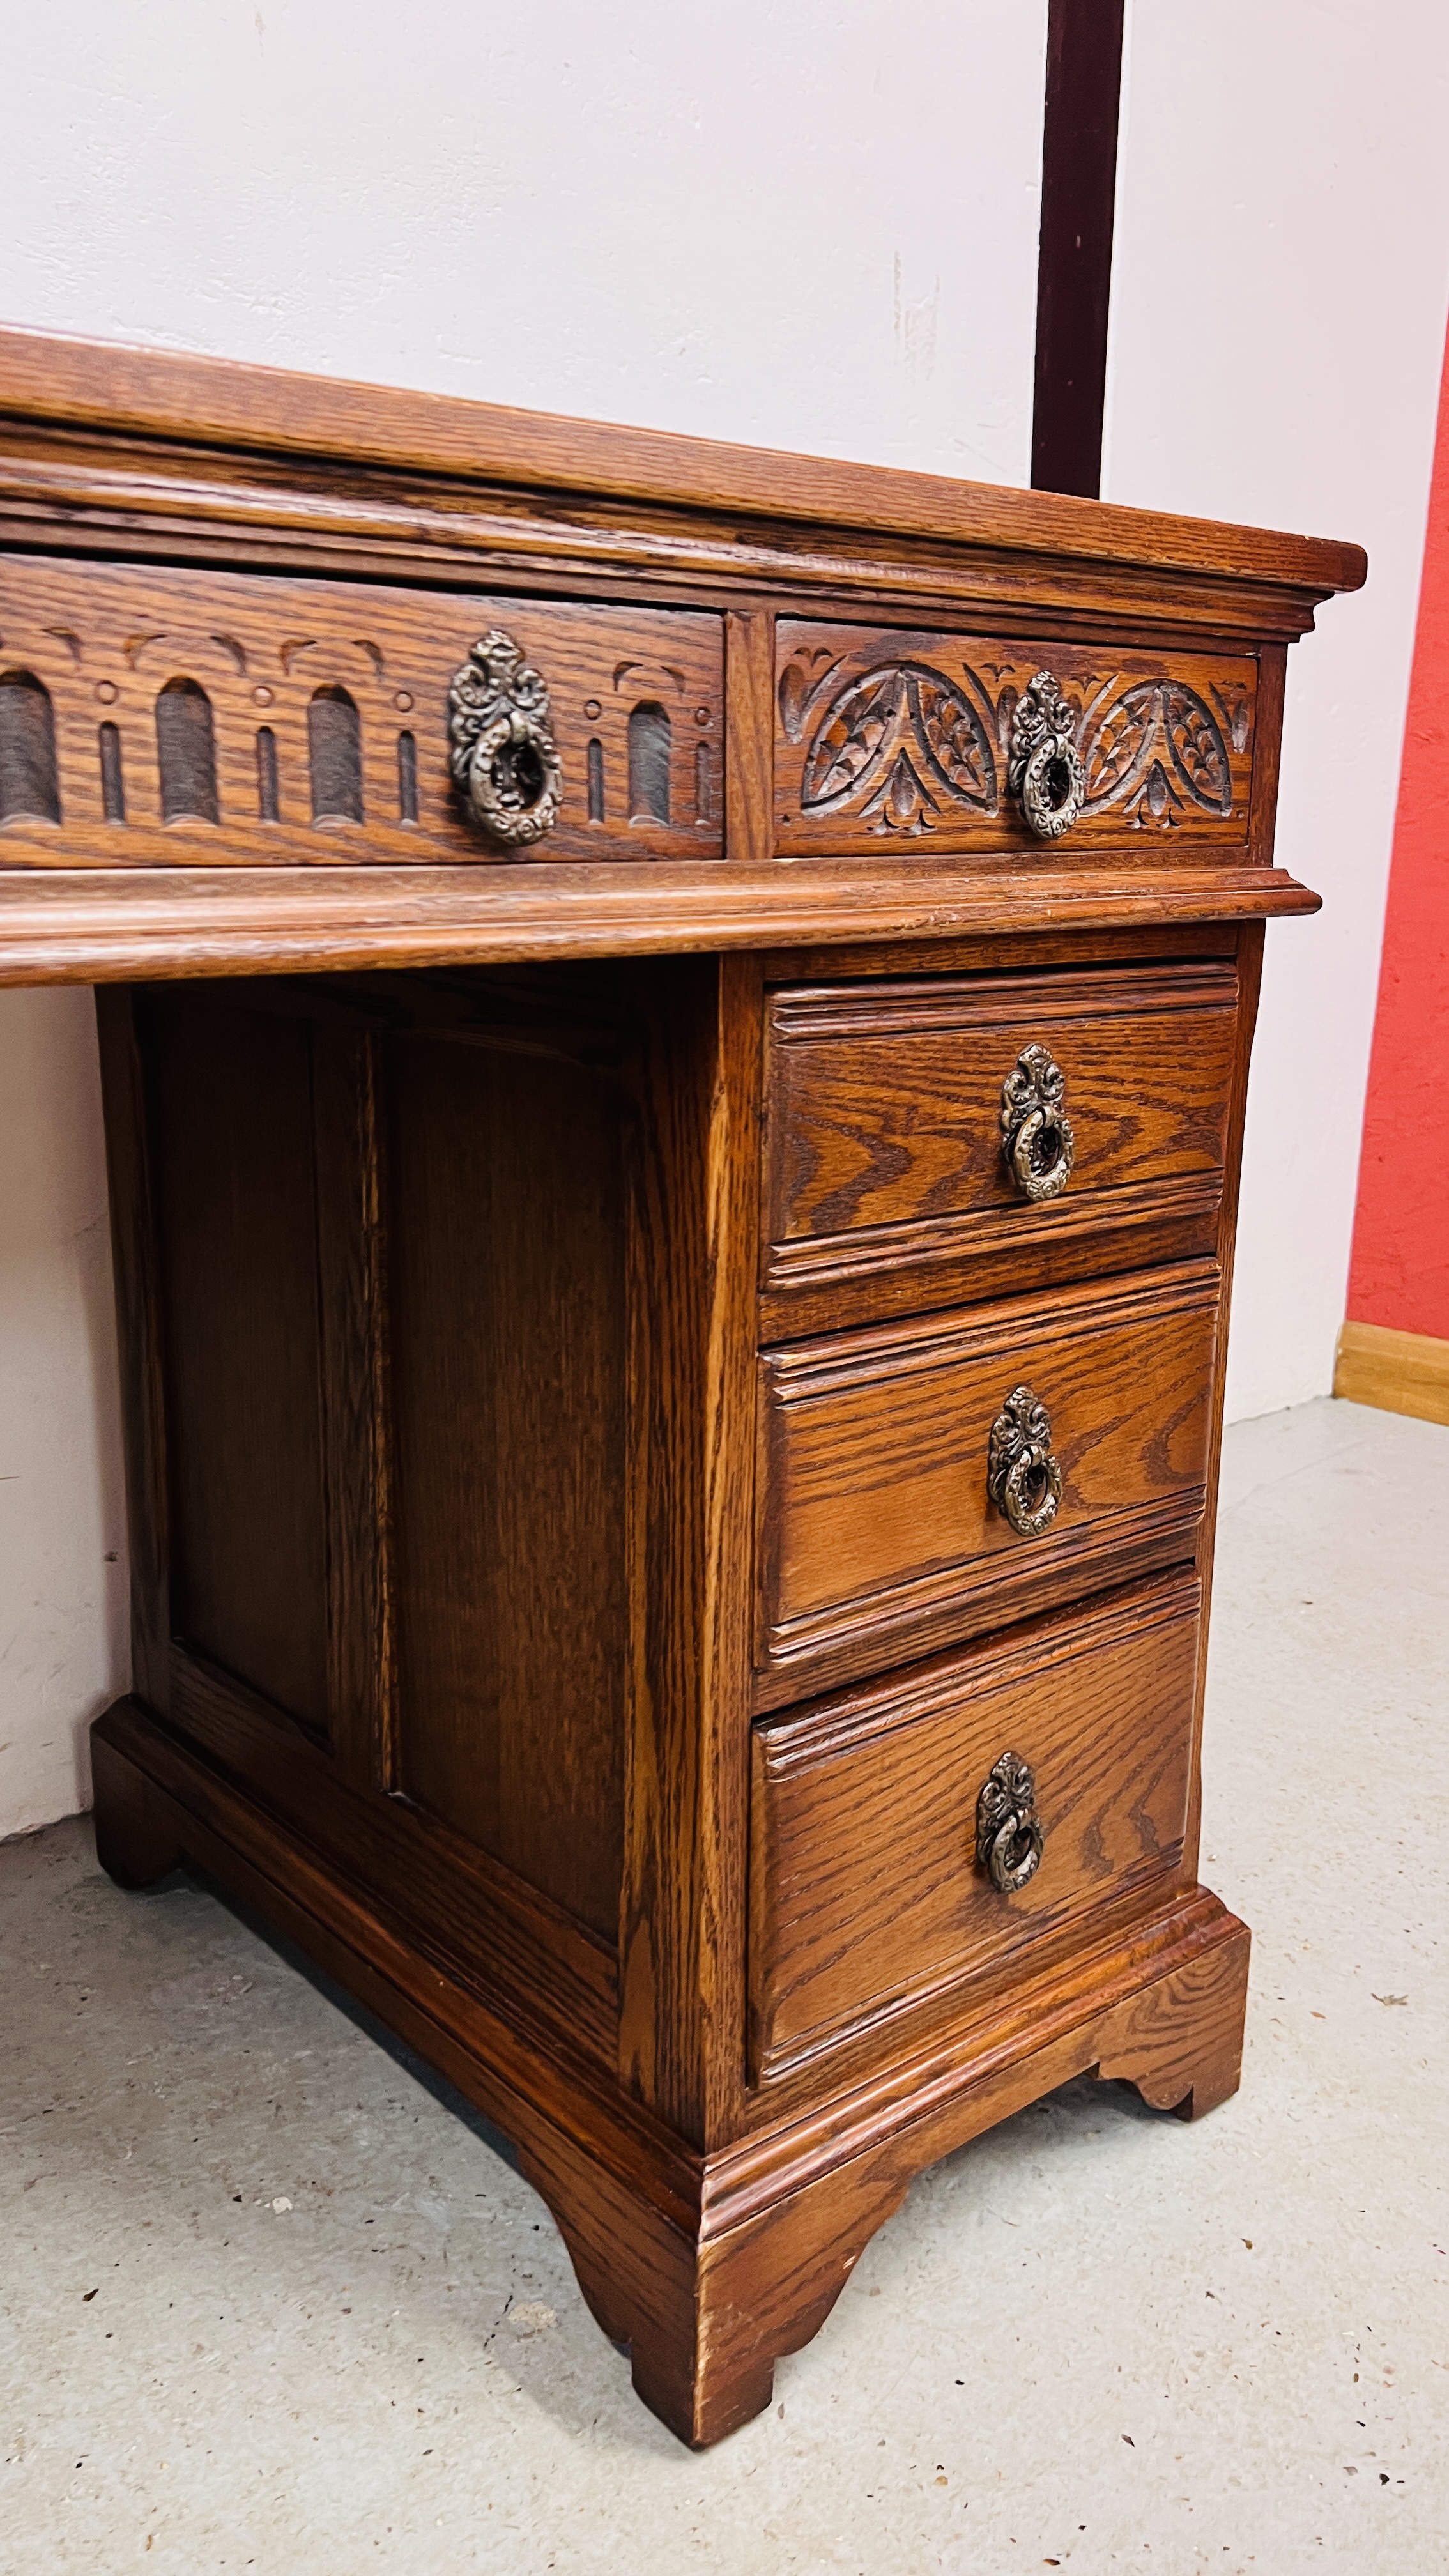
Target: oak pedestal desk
{"points": [[675, 1025]]}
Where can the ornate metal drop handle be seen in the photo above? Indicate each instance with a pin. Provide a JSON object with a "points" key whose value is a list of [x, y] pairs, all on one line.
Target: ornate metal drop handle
{"points": [[1045, 767], [503, 753], [1022, 1477], [1009, 1832], [1036, 1133]]}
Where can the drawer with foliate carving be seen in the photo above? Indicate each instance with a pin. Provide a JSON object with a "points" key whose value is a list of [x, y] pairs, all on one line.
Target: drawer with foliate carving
{"points": [[922, 1481], [962, 1136], [919, 1832], [937, 742], [152, 717]]}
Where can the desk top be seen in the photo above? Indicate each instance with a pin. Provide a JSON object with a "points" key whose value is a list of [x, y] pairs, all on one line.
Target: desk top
{"points": [[808, 683]]}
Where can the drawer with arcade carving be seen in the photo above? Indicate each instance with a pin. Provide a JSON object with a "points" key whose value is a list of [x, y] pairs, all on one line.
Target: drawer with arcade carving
{"points": [[951, 1136], [922, 1481], [936, 742], [153, 718], [920, 1832]]}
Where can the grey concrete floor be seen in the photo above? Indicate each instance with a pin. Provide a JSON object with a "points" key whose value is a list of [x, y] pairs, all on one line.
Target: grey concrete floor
{"points": [[270, 2302]]}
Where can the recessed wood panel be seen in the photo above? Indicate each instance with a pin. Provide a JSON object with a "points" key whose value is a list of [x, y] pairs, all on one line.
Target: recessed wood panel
{"points": [[877, 1537], [887, 737], [234, 1183], [506, 1225], [258, 720], [884, 1138], [866, 1895]]}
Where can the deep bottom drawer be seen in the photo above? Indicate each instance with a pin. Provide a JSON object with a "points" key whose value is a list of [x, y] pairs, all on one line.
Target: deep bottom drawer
{"points": [[866, 1891]]}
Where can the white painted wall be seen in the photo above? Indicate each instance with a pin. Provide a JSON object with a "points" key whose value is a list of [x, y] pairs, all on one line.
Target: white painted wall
{"points": [[63, 1650], [809, 226], [784, 221], [1281, 280], [802, 225]]}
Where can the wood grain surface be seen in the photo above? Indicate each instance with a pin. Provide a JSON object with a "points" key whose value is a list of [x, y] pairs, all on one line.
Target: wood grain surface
{"points": [[877, 1538], [883, 1108], [865, 1892], [1397, 1372], [891, 738], [380, 1259], [91, 925], [107, 641], [356, 1401], [508, 1333], [232, 1161], [207, 404], [1009, 953], [682, 1940]]}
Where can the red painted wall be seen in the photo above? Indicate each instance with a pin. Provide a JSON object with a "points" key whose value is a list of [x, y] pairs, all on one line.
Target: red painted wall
{"points": [[1399, 1273]]}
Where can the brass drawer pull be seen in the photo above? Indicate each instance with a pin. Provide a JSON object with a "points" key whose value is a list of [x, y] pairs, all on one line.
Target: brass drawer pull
{"points": [[1036, 1133], [1009, 1832], [504, 757], [1022, 1477], [1045, 767]]}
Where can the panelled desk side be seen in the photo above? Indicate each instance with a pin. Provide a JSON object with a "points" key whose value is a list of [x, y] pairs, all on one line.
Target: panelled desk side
{"points": [[628, 1429]]}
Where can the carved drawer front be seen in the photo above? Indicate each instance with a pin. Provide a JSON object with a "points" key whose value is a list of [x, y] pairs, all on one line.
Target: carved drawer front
{"points": [[152, 718], [882, 735], [875, 1815], [937, 1139], [919, 1482]]}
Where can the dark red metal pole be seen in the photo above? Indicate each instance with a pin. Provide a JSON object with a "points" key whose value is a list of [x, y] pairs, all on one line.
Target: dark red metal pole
{"points": [[1074, 272]]}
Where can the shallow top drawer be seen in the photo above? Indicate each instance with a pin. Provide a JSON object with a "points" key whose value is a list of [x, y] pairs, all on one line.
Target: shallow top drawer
{"points": [[153, 717], [916, 1125], [882, 735]]}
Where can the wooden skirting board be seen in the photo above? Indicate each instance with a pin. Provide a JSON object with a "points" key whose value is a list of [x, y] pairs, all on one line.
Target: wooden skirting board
{"points": [[1398, 1372]]}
